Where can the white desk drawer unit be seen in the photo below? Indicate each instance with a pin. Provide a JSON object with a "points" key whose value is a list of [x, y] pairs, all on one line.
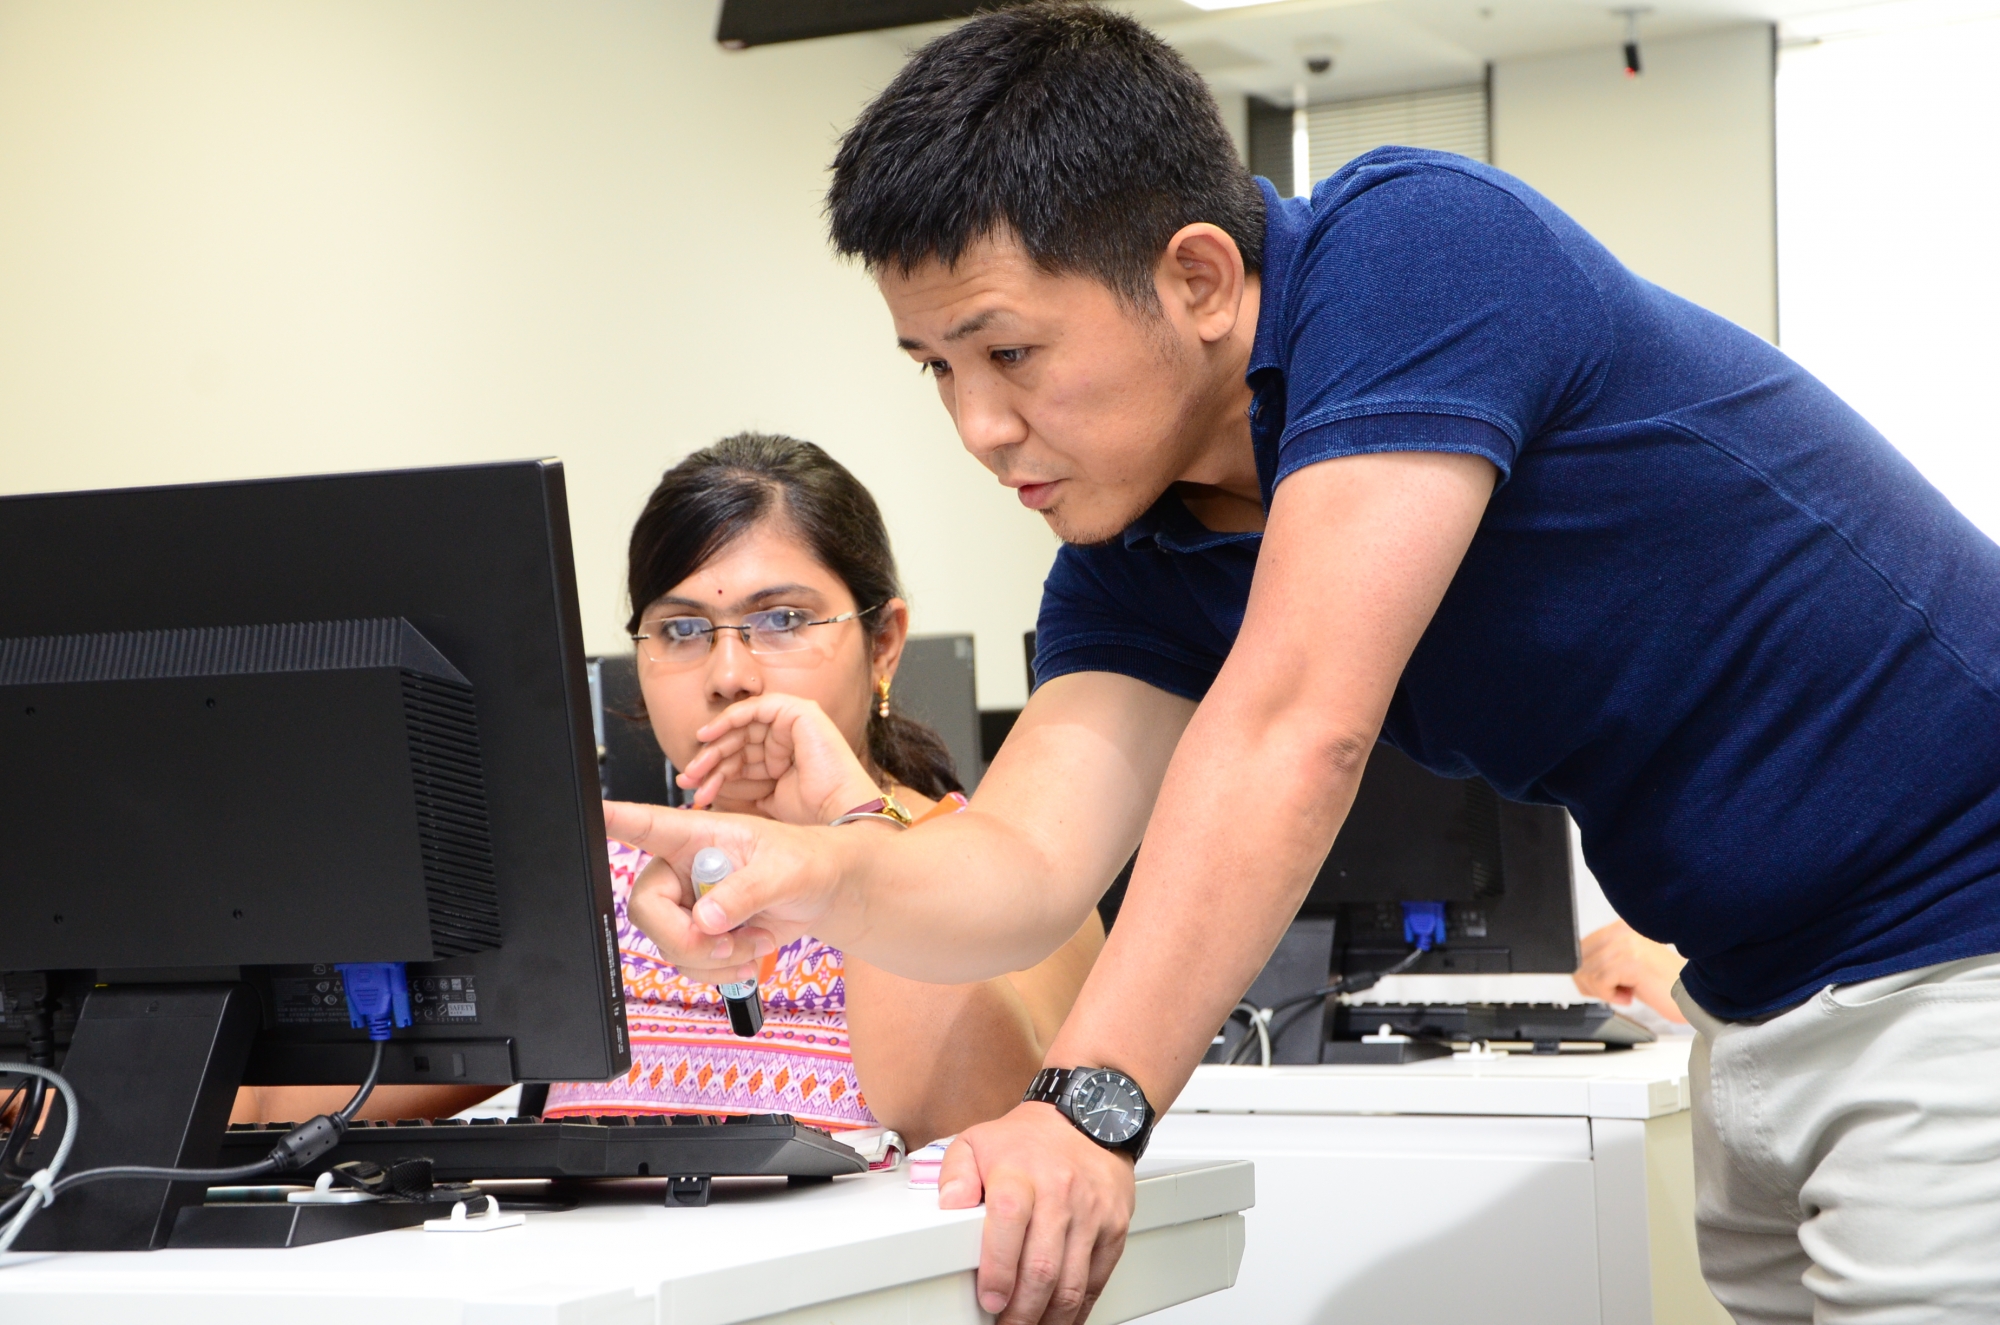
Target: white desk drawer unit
{"points": [[1527, 1191], [860, 1251]]}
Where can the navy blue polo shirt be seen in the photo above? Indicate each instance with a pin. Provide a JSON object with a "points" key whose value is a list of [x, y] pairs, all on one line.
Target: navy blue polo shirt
{"points": [[1709, 609]]}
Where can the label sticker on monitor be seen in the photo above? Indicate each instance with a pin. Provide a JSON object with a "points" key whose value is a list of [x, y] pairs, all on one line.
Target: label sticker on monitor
{"points": [[321, 1000]]}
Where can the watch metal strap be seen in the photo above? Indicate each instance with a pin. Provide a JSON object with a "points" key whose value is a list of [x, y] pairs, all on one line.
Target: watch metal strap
{"points": [[1048, 1086]]}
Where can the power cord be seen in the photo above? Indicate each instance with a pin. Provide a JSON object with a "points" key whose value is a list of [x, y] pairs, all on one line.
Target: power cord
{"points": [[295, 1150], [1258, 1021], [1302, 1004], [39, 1190]]}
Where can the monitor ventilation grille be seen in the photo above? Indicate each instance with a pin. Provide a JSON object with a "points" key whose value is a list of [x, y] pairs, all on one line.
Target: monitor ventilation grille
{"points": [[452, 827]]}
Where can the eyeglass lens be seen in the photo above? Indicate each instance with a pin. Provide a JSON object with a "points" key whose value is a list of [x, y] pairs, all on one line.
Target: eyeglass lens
{"points": [[686, 640]]}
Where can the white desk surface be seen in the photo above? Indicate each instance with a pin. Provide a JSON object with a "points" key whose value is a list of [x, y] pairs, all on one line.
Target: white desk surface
{"points": [[757, 1251], [1647, 1081]]}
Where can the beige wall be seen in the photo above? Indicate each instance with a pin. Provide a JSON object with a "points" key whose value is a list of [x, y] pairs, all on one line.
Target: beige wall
{"points": [[1674, 170], [245, 237]]}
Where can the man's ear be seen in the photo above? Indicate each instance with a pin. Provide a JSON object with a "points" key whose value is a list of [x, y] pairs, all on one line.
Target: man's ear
{"points": [[1201, 277], [894, 630]]}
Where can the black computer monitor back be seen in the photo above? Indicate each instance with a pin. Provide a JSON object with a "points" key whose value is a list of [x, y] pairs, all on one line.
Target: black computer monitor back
{"points": [[1502, 870], [260, 728]]}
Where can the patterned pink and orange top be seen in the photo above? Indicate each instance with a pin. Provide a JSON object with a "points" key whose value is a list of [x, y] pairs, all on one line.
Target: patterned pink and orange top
{"points": [[686, 1060]]}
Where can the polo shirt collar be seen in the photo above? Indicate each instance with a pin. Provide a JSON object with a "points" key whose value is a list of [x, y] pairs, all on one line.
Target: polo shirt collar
{"points": [[1286, 221], [1171, 527]]}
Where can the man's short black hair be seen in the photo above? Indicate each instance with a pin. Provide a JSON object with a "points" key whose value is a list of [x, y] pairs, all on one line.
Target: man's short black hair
{"points": [[1073, 127]]}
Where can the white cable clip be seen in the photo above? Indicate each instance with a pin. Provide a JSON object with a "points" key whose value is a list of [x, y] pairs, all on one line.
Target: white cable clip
{"points": [[43, 1183], [460, 1222], [1385, 1034], [324, 1194]]}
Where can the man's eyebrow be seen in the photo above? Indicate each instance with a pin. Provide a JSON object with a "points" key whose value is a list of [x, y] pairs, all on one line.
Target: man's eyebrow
{"points": [[977, 322]]}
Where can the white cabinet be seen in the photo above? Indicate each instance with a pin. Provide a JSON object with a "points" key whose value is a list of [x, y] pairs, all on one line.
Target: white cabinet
{"points": [[1537, 1191]]}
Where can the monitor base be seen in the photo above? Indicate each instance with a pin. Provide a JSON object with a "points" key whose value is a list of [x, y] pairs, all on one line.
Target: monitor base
{"points": [[1390, 1051], [155, 1069], [272, 1224]]}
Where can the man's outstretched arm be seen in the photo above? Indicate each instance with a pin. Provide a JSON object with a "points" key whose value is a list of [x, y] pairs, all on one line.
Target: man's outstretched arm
{"points": [[989, 891], [1357, 554], [1356, 557]]}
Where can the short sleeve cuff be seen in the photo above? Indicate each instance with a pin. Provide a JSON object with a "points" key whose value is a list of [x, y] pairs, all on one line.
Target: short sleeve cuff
{"points": [[1189, 680], [1376, 434]]}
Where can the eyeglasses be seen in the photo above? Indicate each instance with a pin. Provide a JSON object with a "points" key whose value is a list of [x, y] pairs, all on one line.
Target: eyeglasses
{"points": [[686, 641]]}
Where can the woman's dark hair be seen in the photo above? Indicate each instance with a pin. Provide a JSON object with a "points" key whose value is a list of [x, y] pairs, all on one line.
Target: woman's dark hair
{"points": [[722, 492], [1071, 126]]}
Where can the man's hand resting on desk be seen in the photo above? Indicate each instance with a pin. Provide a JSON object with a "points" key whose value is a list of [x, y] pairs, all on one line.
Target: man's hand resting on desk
{"points": [[1057, 1207]]}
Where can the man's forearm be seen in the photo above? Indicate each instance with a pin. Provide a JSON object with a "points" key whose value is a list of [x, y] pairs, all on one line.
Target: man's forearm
{"points": [[954, 901], [1355, 558], [1228, 857], [1002, 885]]}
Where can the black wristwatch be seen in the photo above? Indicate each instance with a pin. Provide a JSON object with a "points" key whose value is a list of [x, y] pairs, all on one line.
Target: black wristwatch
{"points": [[1106, 1106]]}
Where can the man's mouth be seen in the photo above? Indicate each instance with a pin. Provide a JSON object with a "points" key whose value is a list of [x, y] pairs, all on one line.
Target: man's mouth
{"points": [[1037, 496]]}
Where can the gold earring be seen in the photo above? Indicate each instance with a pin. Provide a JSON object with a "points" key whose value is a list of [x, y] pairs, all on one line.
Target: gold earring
{"points": [[882, 703]]}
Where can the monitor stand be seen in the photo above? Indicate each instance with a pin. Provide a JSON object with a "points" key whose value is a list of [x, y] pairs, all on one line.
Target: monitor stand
{"points": [[155, 1069]]}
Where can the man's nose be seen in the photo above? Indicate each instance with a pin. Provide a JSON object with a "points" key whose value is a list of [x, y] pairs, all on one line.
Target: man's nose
{"points": [[733, 673], [987, 421]]}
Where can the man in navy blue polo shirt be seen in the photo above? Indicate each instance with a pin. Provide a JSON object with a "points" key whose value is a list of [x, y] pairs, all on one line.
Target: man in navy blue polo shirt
{"points": [[1417, 460]]}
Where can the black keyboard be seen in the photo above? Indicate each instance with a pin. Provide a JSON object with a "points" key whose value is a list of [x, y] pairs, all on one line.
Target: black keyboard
{"points": [[685, 1147], [1540, 1024]]}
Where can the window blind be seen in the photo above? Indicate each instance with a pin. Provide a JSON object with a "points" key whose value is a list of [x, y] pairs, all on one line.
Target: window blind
{"points": [[1447, 119]]}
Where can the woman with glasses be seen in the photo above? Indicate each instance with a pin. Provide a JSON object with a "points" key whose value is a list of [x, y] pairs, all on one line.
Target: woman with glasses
{"points": [[760, 567]]}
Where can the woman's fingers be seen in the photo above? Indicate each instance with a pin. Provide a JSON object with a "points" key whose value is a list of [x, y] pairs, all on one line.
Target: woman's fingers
{"points": [[715, 752], [765, 709], [759, 753]]}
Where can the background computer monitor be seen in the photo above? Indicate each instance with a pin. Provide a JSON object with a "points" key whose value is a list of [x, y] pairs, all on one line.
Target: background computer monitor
{"points": [[1501, 868], [251, 730]]}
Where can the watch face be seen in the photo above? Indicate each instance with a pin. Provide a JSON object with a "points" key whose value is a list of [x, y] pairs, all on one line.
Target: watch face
{"points": [[1108, 1105]]}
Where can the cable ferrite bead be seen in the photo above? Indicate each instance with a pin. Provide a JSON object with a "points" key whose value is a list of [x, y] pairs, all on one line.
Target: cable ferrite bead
{"points": [[307, 1142]]}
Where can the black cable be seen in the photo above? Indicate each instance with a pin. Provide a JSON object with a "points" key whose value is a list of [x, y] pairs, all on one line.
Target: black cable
{"points": [[20, 1128], [25, 1123], [367, 1088], [1280, 1028], [300, 1147], [39, 1024], [13, 1203], [1348, 984], [213, 1177]]}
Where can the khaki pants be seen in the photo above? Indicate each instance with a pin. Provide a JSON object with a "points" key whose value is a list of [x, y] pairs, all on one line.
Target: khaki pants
{"points": [[1847, 1152]]}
